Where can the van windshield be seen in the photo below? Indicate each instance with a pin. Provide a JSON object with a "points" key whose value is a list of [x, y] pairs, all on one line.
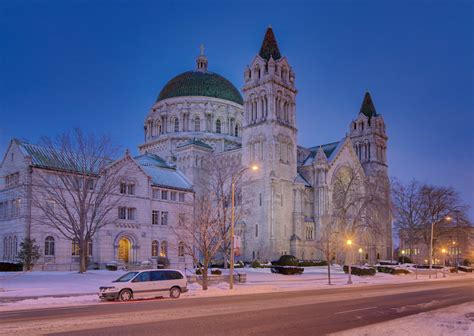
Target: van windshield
{"points": [[126, 277]]}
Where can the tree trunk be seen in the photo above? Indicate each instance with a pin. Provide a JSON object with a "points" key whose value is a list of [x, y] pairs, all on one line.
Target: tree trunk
{"points": [[204, 274], [329, 269], [83, 257]]}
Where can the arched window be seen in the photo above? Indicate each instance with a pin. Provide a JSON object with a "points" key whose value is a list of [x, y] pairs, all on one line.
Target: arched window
{"points": [[236, 131], [49, 246], [164, 249], [5, 250], [10, 249], [154, 248], [176, 125], [218, 126], [181, 249], [197, 124]]}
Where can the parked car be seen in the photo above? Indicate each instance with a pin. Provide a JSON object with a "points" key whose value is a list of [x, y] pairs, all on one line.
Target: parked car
{"points": [[145, 284]]}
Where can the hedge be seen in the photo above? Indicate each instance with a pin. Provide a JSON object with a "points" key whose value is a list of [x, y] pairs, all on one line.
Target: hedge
{"points": [[308, 263], [355, 270], [286, 260], [465, 269], [287, 270], [10, 267]]}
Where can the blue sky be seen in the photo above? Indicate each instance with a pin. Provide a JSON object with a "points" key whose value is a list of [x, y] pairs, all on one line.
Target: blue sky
{"points": [[100, 65]]}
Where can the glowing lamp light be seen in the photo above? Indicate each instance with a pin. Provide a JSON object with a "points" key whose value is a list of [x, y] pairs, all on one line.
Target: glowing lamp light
{"points": [[254, 167], [360, 250], [349, 242], [448, 218], [443, 250]]}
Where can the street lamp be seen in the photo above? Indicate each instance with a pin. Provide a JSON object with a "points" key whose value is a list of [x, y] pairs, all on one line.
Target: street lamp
{"points": [[444, 262], [349, 244], [446, 218], [232, 222], [360, 255], [403, 256]]}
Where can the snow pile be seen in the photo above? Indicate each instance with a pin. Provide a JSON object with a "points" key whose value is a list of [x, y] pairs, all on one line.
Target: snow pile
{"points": [[453, 321]]}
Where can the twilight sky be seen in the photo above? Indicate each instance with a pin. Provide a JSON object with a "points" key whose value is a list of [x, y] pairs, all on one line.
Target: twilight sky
{"points": [[100, 65]]}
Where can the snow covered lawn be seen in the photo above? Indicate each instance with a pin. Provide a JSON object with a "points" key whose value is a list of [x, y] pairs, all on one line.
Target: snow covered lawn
{"points": [[454, 321], [72, 288]]}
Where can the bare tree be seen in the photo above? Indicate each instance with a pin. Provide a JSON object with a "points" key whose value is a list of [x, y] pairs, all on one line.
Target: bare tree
{"points": [[328, 241], [218, 179], [407, 203], [443, 209], [359, 204], [201, 236], [76, 195]]}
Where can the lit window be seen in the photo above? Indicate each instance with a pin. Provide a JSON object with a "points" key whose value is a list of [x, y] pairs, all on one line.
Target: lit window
{"points": [[75, 248], [154, 248]]}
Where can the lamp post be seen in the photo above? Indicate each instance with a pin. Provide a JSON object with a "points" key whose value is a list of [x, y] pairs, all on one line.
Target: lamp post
{"points": [[447, 218], [444, 262], [232, 223], [403, 256], [349, 245], [360, 255]]}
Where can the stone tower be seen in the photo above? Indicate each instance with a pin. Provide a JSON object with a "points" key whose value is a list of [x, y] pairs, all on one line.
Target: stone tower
{"points": [[369, 139], [269, 141]]}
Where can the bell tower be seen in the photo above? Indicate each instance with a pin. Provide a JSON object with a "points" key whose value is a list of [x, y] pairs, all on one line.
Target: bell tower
{"points": [[269, 132], [269, 141]]}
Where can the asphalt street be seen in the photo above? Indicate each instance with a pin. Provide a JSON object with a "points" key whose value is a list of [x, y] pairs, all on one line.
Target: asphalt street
{"points": [[314, 312]]}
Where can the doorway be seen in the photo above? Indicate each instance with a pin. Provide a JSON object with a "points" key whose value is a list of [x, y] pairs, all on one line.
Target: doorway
{"points": [[124, 249]]}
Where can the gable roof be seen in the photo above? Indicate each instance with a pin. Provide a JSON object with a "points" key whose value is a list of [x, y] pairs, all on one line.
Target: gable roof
{"points": [[161, 173], [50, 158], [328, 150], [196, 142]]}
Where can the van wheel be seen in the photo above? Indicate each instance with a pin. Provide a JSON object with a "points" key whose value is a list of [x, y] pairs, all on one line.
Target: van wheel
{"points": [[175, 292], [125, 295]]}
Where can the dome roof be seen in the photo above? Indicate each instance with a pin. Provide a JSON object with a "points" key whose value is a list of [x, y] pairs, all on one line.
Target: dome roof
{"points": [[200, 83]]}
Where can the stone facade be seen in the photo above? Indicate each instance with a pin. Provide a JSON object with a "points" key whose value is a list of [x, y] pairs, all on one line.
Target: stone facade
{"points": [[127, 240]]}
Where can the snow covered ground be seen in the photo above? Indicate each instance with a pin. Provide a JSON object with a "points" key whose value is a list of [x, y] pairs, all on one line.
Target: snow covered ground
{"points": [[454, 321], [71, 288]]}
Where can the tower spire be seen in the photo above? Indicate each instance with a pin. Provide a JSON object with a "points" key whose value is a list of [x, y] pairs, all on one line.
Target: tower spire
{"points": [[269, 46], [367, 106], [201, 61]]}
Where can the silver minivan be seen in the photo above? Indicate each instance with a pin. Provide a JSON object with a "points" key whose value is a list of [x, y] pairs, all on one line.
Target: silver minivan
{"points": [[145, 284]]}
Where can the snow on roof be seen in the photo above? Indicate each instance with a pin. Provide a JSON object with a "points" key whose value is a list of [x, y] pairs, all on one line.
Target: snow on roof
{"points": [[161, 173]]}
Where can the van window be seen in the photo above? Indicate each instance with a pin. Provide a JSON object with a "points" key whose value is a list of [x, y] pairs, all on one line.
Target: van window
{"points": [[126, 277], [157, 276], [142, 277], [172, 275]]}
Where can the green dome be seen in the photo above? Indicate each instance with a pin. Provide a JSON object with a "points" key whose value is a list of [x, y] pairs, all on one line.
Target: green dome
{"points": [[200, 83]]}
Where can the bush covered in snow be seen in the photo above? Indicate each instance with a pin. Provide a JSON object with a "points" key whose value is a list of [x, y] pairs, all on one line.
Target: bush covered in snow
{"points": [[359, 270], [465, 269], [111, 266], [287, 270], [286, 260], [256, 264], [216, 272]]}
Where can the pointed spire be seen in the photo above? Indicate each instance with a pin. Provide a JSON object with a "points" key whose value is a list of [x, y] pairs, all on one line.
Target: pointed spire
{"points": [[368, 107], [269, 46]]}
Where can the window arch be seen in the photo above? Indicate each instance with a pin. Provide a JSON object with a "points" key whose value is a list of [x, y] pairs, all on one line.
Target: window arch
{"points": [[15, 246], [218, 126], [181, 249], [10, 249], [5, 249], [154, 248], [164, 249], [236, 130], [176, 124], [197, 124], [49, 246]]}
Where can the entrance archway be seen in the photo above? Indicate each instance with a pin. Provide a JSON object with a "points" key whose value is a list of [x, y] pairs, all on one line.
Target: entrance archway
{"points": [[124, 249]]}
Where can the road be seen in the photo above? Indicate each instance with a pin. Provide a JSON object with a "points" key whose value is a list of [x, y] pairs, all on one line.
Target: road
{"points": [[313, 312]]}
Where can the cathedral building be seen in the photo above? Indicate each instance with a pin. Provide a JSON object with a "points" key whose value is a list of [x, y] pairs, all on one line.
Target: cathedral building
{"points": [[199, 113]]}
